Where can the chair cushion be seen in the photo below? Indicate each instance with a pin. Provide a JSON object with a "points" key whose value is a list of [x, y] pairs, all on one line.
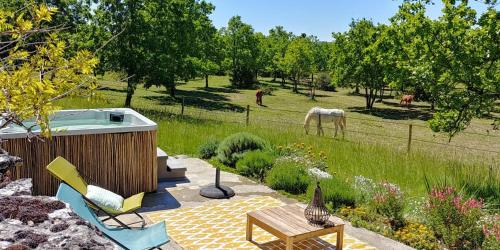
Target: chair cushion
{"points": [[104, 198]]}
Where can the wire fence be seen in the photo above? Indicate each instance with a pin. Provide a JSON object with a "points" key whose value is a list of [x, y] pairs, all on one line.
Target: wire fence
{"points": [[248, 115], [404, 135], [385, 121]]}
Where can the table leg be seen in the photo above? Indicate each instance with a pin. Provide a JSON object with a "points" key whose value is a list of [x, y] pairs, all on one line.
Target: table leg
{"points": [[249, 228], [289, 243], [340, 238]]}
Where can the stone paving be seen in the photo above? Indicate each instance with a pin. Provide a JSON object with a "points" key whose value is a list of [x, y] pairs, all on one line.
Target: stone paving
{"points": [[177, 196]]}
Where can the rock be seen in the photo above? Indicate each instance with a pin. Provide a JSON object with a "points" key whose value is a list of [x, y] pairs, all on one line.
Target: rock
{"points": [[17, 188], [40, 222], [7, 161]]}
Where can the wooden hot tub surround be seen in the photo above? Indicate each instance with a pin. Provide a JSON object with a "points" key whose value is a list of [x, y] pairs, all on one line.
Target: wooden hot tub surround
{"points": [[123, 162]]}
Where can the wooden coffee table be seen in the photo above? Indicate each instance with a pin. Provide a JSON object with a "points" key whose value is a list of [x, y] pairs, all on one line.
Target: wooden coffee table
{"points": [[289, 224]]}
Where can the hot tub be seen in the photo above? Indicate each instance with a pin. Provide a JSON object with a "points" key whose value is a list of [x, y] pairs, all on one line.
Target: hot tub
{"points": [[112, 148]]}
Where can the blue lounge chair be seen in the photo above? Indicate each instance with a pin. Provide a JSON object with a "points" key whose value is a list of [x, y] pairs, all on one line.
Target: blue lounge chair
{"points": [[146, 238]]}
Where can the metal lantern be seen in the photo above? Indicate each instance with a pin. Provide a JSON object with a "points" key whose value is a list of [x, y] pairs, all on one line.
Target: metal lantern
{"points": [[316, 212]]}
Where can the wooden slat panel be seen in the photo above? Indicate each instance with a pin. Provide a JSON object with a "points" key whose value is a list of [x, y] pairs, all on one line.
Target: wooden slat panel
{"points": [[290, 223], [278, 226], [300, 223], [124, 163]]}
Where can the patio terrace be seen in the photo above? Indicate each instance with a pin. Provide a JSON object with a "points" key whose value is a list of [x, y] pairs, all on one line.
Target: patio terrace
{"points": [[190, 216]]}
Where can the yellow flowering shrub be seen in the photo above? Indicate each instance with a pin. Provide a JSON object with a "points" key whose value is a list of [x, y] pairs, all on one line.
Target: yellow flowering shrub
{"points": [[35, 69], [303, 154], [417, 235], [360, 212]]}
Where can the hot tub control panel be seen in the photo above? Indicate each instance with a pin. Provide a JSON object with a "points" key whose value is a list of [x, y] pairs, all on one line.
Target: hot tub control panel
{"points": [[116, 117]]}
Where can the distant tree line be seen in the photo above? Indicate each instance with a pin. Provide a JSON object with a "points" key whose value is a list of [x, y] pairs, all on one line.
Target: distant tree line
{"points": [[450, 62]]}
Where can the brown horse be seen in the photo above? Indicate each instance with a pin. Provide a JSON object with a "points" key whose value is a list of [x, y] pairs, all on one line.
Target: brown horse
{"points": [[258, 96], [407, 99]]}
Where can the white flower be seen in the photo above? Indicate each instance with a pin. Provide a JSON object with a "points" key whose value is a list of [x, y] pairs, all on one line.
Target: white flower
{"points": [[319, 173]]}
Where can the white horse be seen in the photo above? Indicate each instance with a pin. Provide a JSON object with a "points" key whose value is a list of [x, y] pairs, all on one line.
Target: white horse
{"points": [[321, 115]]}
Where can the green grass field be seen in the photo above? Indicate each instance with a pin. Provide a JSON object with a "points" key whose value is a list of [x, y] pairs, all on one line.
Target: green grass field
{"points": [[375, 145]]}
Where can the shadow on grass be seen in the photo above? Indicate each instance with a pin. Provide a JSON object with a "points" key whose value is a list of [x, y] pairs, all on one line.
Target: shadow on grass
{"points": [[394, 114], [387, 95], [306, 94], [156, 114], [167, 115], [411, 106], [207, 100], [118, 90], [353, 93], [227, 89]]}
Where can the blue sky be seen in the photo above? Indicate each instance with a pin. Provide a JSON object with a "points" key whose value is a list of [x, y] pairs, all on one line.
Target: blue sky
{"points": [[313, 17]]}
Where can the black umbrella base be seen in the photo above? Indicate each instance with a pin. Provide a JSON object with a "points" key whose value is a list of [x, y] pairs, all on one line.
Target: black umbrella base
{"points": [[220, 192]]}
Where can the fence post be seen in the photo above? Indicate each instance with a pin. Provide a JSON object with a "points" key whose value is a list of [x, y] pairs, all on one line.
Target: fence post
{"points": [[248, 115], [182, 107], [410, 133], [319, 128]]}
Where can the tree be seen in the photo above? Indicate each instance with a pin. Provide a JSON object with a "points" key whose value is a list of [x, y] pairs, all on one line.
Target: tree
{"points": [[209, 42], [298, 59], [32, 78], [175, 52], [241, 49], [320, 55], [358, 58], [469, 83], [73, 20], [278, 39], [264, 59], [127, 53], [452, 62], [415, 67]]}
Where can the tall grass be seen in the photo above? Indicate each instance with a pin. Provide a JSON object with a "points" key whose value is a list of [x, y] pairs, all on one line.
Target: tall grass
{"points": [[345, 158]]}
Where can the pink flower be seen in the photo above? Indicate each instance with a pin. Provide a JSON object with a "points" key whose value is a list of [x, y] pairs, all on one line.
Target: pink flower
{"points": [[379, 198], [442, 194], [468, 205], [493, 231], [486, 231]]}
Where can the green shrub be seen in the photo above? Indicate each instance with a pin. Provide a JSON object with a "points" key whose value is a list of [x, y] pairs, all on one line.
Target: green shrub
{"points": [[388, 200], [236, 145], [291, 178], [491, 231], [208, 149], [336, 193], [268, 90], [454, 218], [324, 82], [255, 164], [362, 216], [303, 154]]}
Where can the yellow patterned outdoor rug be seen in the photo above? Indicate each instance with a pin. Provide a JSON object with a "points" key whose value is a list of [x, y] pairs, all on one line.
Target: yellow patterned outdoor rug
{"points": [[222, 226]]}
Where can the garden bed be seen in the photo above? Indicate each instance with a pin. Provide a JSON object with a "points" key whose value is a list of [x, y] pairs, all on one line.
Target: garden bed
{"points": [[446, 218]]}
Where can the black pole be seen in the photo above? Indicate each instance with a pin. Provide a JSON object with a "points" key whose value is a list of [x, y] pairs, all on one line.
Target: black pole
{"points": [[217, 178], [216, 190]]}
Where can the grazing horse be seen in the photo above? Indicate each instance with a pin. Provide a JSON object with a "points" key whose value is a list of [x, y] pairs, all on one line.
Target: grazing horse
{"points": [[407, 99], [321, 115]]}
